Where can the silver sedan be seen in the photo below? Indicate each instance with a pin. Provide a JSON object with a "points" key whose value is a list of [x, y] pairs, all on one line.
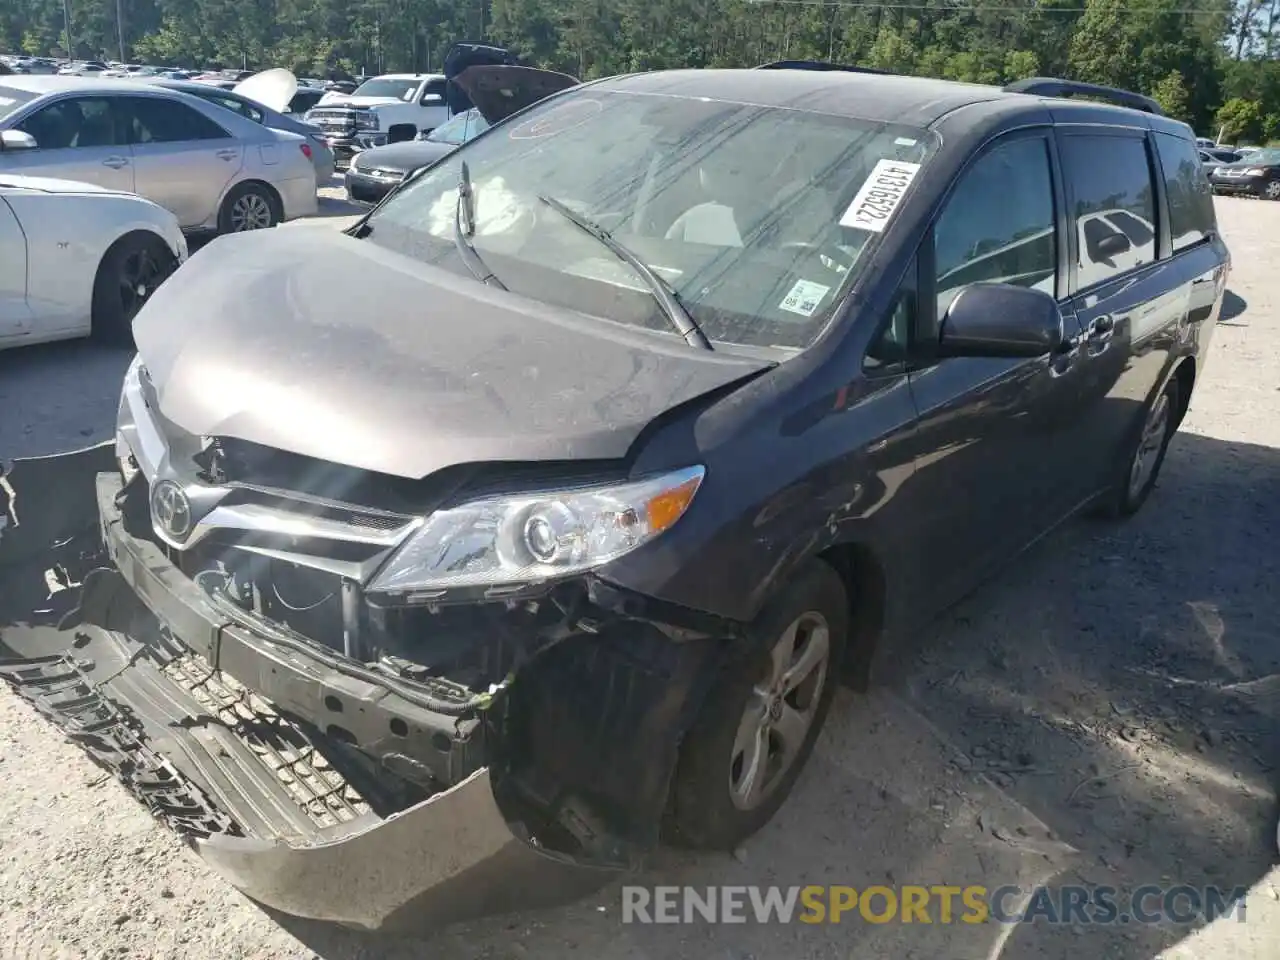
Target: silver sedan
{"points": [[321, 154], [213, 169]]}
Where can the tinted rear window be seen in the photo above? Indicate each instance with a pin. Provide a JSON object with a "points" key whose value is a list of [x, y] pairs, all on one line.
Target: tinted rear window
{"points": [[1191, 215], [1109, 176], [11, 100]]}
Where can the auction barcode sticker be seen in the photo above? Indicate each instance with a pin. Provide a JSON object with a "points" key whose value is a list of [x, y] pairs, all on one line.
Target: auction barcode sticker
{"points": [[873, 207], [805, 298]]}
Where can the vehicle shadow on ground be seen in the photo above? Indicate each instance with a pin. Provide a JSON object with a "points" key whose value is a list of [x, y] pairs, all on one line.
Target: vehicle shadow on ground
{"points": [[1134, 706], [1233, 305], [1105, 713]]}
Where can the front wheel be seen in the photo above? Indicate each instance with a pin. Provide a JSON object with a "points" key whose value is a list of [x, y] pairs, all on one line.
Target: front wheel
{"points": [[1272, 190], [250, 206], [740, 760], [129, 273]]}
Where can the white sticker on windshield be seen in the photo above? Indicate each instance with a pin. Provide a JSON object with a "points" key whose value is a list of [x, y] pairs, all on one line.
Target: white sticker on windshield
{"points": [[7, 101], [805, 298], [873, 207]]}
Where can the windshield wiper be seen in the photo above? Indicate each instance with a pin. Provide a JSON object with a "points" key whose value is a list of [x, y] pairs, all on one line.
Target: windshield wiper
{"points": [[465, 210], [667, 298]]}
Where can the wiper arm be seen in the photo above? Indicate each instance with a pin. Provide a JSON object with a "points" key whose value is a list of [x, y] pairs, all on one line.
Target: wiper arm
{"points": [[466, 211], [667, 298]]}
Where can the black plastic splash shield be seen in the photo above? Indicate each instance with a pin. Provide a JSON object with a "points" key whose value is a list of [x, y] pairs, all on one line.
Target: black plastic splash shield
{"points": [[273, 805]]}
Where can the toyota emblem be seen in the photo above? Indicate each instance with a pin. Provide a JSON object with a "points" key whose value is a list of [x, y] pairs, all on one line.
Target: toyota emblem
{"points": [[170, 510]]}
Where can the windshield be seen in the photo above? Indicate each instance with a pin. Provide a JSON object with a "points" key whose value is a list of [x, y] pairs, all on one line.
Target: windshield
{"points": [[1265, 155], [11, 101], [460, 129], [397, 89], [757, 217]]}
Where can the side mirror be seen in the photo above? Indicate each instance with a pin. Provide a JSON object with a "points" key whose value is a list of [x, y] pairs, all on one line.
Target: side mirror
{"points": [[1000, 320], [17, 140], [1112, 245], [400, 132]]}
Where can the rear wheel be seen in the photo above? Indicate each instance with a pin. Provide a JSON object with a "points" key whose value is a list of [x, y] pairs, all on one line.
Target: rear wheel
{"points": [[130, 271], [1146, 454], [755, 732], [250, 206]]}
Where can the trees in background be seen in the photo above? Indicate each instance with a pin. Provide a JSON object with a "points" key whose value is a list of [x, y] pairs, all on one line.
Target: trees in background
{"points": [[1210, 62]]}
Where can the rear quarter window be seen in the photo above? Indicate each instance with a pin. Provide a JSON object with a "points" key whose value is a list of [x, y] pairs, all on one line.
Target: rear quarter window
{"points": [[1191, 213]]}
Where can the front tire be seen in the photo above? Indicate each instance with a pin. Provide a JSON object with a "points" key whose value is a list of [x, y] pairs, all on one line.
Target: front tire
{"points": [[130, 271], [1272, 190], [757, 728], [250, 206]]}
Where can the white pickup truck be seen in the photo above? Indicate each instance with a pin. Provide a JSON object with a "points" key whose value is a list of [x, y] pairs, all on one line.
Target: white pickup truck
{"points": [[392, 107]]}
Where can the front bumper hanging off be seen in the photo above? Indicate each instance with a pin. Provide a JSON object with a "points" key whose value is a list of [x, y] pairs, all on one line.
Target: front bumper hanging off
{"points": [[120, 651]]}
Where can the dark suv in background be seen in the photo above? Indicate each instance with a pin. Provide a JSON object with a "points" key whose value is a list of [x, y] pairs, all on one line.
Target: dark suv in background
{"points": [[543, 517], [1256, 175]]}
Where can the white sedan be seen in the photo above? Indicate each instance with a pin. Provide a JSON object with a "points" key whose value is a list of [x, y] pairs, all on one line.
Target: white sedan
{"points": [[77, 259]]}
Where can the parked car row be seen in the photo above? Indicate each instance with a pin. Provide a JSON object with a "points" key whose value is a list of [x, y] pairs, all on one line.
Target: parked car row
{"points": [[494, 91], [213, 168]]}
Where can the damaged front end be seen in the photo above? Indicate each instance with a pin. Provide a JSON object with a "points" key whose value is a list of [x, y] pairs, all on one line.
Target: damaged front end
{"points": [[378, 759]]}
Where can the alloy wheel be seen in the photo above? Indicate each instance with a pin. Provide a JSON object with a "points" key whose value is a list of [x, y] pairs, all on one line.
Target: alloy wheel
{"points": [[250, 212], [1147, 456], [1273, 190], [780, 710]]}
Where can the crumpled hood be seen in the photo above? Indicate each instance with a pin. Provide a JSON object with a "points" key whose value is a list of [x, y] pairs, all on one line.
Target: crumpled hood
{"points": [[313, 342]]}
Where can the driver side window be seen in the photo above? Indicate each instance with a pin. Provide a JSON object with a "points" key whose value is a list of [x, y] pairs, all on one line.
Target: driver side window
{"points": [[998, 224], [74, 122]]}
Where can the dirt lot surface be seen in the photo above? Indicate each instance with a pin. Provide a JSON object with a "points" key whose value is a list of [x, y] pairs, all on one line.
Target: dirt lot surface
{"points": [[1106, 713]]}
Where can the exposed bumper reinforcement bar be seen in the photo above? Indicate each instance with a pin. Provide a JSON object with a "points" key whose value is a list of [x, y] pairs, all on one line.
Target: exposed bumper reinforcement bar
{"points": [[274, 805]]}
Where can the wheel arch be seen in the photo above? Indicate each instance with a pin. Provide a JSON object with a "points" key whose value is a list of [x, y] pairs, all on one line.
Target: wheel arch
{"points": [[866, 588], [252, 182], [1185, 374], [131, 234]]}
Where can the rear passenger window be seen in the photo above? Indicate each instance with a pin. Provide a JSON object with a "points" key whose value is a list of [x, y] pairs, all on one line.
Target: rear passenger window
{"points": [[1191, 214], [1112, 203], [157, 120], [998, 223]]}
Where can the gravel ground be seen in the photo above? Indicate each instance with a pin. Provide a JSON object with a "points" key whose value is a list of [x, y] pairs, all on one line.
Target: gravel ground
{"points": [[1105, 714]]}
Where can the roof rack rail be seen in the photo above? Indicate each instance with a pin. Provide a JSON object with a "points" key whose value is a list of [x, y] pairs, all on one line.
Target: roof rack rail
{"points": [[1056, 87], [822, 65]]}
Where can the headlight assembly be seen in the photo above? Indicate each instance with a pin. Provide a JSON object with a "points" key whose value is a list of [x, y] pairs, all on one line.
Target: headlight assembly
{"points": [[520, 540]]}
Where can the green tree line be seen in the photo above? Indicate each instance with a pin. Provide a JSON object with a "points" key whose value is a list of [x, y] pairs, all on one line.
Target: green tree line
{"points": [[1213, 63]]}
